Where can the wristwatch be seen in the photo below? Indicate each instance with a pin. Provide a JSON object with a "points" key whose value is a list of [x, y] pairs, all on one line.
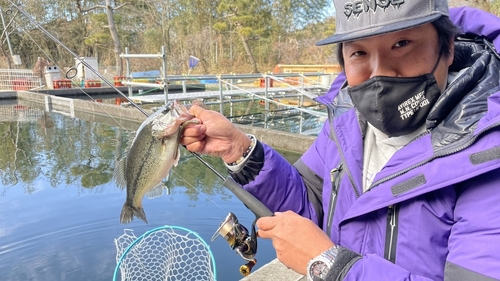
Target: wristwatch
{"points": [[318, 267]]}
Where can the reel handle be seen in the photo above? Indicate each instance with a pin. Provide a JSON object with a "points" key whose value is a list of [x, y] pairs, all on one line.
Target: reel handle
{"points": [[246, 269], [252, 203]]}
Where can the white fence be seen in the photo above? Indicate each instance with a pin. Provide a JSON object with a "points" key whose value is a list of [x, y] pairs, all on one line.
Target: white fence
{"points": [[19, 79]]}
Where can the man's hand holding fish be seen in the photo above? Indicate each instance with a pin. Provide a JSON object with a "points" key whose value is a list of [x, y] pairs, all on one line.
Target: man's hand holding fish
{"points": [[214, 135]]}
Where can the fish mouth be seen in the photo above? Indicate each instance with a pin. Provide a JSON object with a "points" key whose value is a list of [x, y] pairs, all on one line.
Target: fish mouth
{"points": [[181, 110], [164, 126], [170, 107]]}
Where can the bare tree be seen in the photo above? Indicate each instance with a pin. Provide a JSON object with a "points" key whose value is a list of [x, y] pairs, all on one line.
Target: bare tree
{"points": [[5, 33], [244, 18], [112, 28]]}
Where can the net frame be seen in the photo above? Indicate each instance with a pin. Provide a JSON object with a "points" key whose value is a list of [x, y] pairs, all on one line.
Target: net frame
{"points": [[161, 254]]}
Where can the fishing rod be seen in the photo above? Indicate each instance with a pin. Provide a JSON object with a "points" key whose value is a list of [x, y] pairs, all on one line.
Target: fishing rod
{"points": [[87, 65], [237, 236], [252, 203]]}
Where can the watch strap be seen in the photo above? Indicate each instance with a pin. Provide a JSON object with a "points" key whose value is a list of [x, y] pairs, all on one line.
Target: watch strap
{"points": [[343, 262], [327, 259]]}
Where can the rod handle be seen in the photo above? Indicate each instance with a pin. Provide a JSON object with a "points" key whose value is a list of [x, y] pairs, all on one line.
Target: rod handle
{"points": [[252, 203]]}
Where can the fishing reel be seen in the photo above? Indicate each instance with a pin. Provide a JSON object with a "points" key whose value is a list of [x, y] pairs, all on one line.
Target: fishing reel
{"points": [[240, 240]]}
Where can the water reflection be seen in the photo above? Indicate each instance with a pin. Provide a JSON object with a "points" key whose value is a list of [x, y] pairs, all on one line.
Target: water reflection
{"points": [[65, 150], [60, 208], [76, 151]]}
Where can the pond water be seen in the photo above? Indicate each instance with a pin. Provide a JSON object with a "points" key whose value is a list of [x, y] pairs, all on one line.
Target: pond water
{"points": [[60, 208]]}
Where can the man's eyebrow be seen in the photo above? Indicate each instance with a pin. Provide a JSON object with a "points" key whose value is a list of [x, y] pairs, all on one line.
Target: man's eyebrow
{"points": [[411, 32], [351, 43]]}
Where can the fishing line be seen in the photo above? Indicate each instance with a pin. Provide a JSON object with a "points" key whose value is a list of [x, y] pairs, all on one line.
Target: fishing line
{"points": [[76, 72], [78, 86], [106, 80], [102, 78], [8, 12], [252, 203], [87, 65], [199, 192]]}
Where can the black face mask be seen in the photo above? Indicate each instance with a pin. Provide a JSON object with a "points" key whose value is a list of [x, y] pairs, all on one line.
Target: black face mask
{"points": [[396, 105]]}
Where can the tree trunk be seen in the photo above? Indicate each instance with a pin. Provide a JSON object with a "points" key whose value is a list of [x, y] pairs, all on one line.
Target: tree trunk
{"points": [[8, 57], [114, 36], [249, 53]]}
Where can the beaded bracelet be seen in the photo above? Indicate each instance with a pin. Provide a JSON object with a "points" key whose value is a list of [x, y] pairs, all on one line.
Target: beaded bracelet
{"points": [[245, 154]]}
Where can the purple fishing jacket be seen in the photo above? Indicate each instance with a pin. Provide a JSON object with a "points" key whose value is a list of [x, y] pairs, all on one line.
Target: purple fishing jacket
{"points": [[433, 211]]}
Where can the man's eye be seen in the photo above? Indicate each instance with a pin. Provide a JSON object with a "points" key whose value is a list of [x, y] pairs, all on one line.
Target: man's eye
{"points": [[401, 43], [357, 53]]}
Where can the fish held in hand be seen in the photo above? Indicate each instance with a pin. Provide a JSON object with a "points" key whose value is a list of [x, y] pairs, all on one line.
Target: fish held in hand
{"points": [[150, 156]]}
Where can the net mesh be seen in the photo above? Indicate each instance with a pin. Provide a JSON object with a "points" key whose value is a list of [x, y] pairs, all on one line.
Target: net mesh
{"points": [[166, 253]]}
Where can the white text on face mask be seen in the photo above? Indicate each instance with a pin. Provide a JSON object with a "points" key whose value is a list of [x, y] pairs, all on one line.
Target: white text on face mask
{"points": [[411, 105]]}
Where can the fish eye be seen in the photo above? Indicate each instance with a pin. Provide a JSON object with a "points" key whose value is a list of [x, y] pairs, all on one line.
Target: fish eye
{"points": [[167, 108]]}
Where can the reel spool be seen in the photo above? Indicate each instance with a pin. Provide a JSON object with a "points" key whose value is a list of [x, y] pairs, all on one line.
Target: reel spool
{"points": [[240, 240]]}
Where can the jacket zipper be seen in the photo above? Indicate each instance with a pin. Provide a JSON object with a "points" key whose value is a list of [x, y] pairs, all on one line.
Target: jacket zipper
{"points": [[341, 153], [391, 237], [335, 176]]}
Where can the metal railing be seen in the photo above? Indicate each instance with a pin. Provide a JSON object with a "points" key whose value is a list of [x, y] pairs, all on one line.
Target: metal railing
{"points": [[296, 81]]}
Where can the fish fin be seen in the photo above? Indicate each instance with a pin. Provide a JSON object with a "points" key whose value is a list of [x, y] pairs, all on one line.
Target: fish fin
{"points": [[129, 211], [177, 153], [121, 163], [130, 141], [119, 173], [156, 192], [131, 137], [177, 156]]}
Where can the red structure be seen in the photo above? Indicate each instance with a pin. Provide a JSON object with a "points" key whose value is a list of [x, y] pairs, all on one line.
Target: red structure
{"points": [[22, 84], [92, 83], [118, 80], [62, 84]]}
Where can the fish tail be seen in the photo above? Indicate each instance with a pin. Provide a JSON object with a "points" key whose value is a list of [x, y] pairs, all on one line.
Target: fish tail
{"points": [[129, 211]]}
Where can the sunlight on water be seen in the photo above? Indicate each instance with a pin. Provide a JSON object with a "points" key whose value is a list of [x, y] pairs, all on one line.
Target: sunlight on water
{"points": [[60, 207]]}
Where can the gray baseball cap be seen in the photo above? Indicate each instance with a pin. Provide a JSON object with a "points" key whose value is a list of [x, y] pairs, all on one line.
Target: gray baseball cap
{"points": [[358, 19]]}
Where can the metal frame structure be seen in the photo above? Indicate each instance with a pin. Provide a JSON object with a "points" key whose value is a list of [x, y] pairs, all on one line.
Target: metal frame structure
{"points": [[163, 85]]}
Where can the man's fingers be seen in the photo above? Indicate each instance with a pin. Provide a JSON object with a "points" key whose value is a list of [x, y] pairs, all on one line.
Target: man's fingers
{"points": [[196, 110], [267, 223], [191, 140], [263, 234], [196, 146], [194, 130]]}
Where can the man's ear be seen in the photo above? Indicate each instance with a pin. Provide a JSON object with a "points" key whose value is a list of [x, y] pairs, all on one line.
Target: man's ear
{"points": [[449, 59]]}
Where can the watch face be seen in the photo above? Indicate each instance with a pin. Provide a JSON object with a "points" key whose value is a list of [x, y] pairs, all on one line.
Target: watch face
{"points": [[318, 270]]}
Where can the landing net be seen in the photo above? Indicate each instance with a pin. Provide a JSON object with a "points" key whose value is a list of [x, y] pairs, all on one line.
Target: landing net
{"points": [[165, 253]]}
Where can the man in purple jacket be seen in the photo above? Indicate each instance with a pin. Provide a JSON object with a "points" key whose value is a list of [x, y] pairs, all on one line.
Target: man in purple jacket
{"points": [[403, 182]]}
